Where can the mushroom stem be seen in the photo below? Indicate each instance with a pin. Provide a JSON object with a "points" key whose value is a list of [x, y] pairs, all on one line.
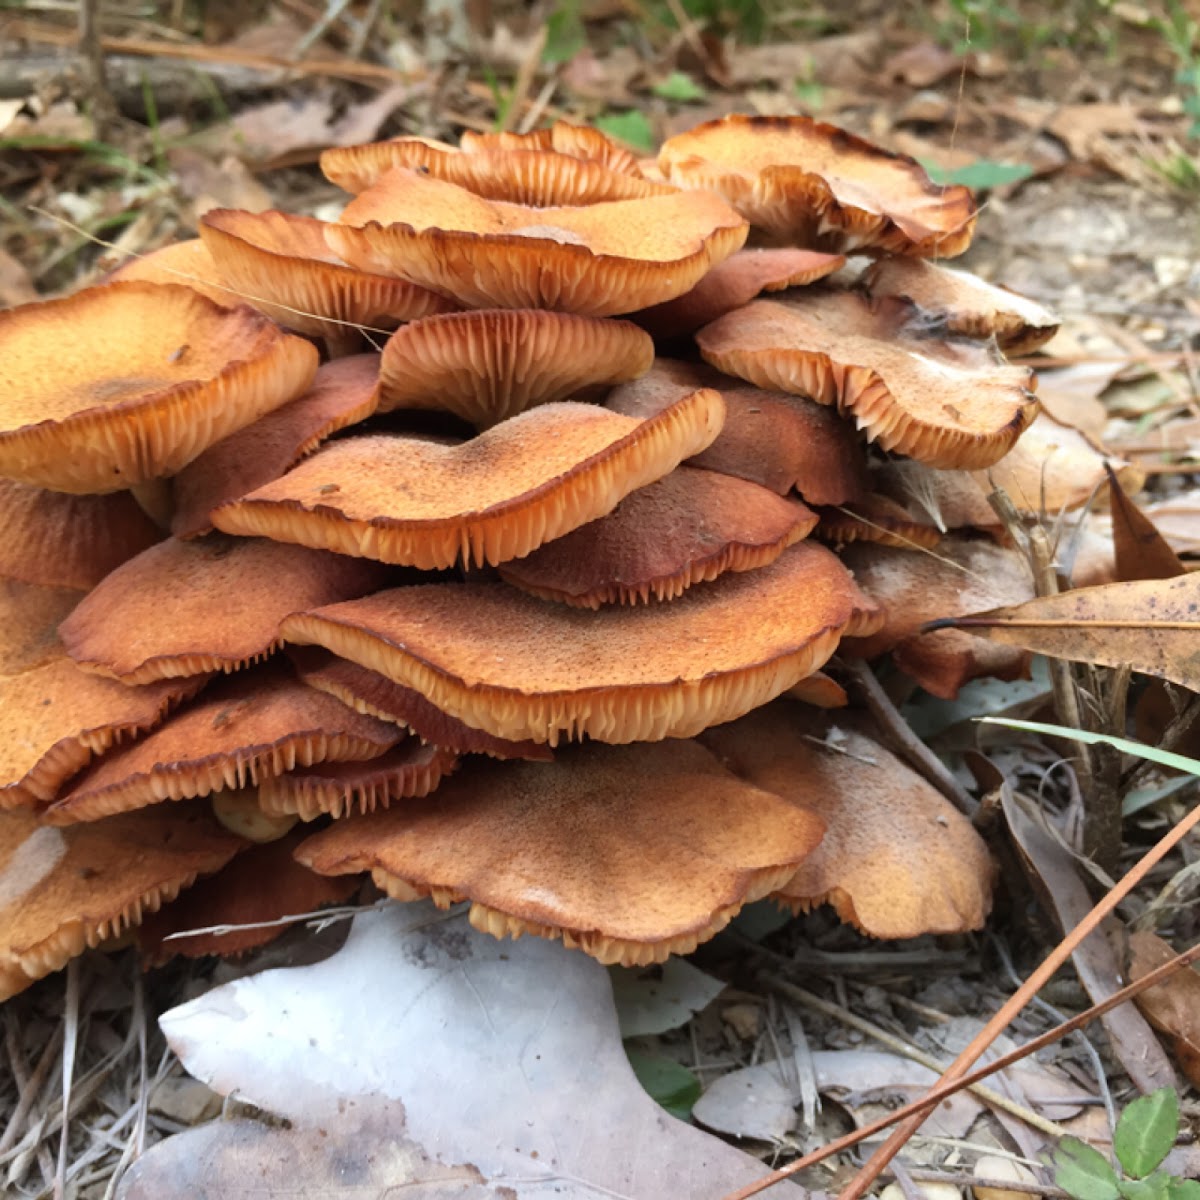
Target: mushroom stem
{"points": [[156, 501], [344, 341]]}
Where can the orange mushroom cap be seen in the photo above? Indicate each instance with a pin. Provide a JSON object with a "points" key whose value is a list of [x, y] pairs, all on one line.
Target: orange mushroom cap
{"points": [[181, 608], [599, 259], [897, 859], [689, 527], [29, 617], [188, 263], [946, 403], [59, 540], [420, 503], [342, 394], [63, 890], [255, 723], [117, 385], [563, 137], [805, 182], [490, 365], [282, 266], [629, 853], [877, 518], [774, 439], [367, 691], [820, 691], [519, 668]]}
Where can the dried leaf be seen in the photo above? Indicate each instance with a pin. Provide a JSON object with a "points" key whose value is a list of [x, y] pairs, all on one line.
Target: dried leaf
{"points": [[1141, 552], [1173, 1006]]}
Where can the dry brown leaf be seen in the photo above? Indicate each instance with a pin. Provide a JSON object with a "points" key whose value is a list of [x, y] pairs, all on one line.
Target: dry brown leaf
{"points": [[1151, 626], [1173, 1006], [1140, 551]]}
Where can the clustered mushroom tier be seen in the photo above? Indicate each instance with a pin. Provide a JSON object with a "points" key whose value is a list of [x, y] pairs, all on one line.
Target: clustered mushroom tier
{"points": [[528, 607]]}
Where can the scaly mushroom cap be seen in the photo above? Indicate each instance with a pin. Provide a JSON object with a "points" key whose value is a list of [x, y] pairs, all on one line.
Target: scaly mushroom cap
{"points": [[599, 260], [282, 265], [897, 859], [689, 527], [181, 608], [409, 770], [493, 364], [187, 263], [965, 303], [255, 892], [62, 891], [539, 178], [254, 724], [877, 518], [960, 577], [578, 141], [421, 503], [807, 183], [518, 668], [54, 718], [368, 692], [59, 540], [29, 617], [629, 853], [121, 384], [735, 282], [946, 403], [342, 394], [771, 438]]}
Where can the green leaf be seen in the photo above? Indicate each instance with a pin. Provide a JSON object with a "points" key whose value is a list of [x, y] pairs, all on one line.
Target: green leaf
{"points": [[1153, 1187], [565, 34], [680, 87], [630, 127], [672, 1085], [1183, 1189], [1147, 1131], [1083, 1171], [980, 176]]}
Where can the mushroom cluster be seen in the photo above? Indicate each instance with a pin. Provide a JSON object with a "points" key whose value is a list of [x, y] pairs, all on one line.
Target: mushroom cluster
{"points": [[486, 540]]}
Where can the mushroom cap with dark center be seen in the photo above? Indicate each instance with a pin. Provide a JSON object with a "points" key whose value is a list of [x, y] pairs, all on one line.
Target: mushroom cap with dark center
{"points": [[181, 608], [689, 527], [946, 403], [808, 183], [63, 890], [368, 692], [409, 770], [518, 667], [897, 859], [282, 265], [772, 438], [490, 365], [342, 394], [255, 723], [121, 384], [59, 540], [630, 853], [421, 503], [598, 259]]}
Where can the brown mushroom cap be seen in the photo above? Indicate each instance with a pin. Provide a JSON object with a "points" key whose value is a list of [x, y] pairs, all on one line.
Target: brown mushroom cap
{"points": [[517, 667], [54, 718], [181, 608], [29, 617], [407, 771], [342, 394], [960, 577], [812, 184], [490, 365], [255, 892], [537, 177], [735, 282], [946, 403], [897, 859], [820, 691], [771, 438], [368, 692], [281, 265], [629, 853], [599, 259], [117, 385], [420, 503], [877, 518], [966, 303], [62, 890], [689, 527], [59, 540], [188, 263], [563, 137], [256, 723]]}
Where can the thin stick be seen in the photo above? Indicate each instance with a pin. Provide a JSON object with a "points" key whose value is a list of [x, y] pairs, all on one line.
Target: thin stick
{"points": [[100, 101]]}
